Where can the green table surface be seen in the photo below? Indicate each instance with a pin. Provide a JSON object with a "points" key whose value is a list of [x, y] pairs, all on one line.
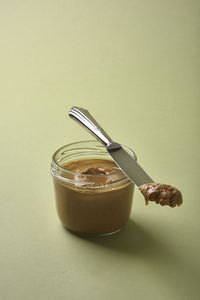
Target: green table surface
{"points": [[135, 66]]}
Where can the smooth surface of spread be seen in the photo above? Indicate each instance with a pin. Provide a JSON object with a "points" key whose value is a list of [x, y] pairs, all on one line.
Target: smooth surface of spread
{"points": [[100, 171]]}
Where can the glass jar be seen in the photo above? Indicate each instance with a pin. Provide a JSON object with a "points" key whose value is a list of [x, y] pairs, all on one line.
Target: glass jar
{"points": [[97, 204]]}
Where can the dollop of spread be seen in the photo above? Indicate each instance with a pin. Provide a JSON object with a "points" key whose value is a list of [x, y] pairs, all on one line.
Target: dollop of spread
{"points": [[101, 176], [94, 172], [162, 194]]}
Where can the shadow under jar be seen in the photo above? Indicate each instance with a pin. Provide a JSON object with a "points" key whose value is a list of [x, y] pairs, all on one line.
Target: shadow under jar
{"points": [[93, 196]]}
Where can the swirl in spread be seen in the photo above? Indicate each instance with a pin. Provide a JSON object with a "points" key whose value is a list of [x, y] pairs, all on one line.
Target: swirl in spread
{"points": [[101, 172], [162, 194]]}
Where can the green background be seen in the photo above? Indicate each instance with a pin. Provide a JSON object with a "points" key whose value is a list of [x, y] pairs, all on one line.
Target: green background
{"points": [[135, 66]]}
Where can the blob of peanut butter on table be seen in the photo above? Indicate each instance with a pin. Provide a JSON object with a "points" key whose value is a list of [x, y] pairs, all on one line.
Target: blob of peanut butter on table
{"points": [[162, 194]]}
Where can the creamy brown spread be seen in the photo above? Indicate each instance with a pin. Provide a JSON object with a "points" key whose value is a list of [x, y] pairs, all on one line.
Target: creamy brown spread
{"points": [[104, 171], [98, 200], [96, 171], [162, 194]]}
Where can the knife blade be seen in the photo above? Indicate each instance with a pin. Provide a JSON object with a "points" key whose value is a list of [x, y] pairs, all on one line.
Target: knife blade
{"points": [[125, 161], [129, 166]]}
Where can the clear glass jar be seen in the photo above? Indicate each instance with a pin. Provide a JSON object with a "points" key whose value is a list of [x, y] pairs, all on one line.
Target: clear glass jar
{"points": [[97, 204]]}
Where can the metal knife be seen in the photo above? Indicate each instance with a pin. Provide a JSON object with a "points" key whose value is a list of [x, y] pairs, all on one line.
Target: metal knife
{"points": [[125, 162]]}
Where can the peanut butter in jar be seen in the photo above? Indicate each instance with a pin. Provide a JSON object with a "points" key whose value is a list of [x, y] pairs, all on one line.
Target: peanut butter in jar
{"points": [[93, 196]]}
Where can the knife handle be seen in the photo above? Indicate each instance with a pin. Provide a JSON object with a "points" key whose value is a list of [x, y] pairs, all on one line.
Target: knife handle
{"points": [[84, 118]]}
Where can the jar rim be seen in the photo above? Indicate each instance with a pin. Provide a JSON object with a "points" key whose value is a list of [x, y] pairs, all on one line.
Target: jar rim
{"points": [[55, 164]]}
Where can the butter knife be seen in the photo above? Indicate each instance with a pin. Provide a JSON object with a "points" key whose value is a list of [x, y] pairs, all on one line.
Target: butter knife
{"points": [[125, 162]]}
